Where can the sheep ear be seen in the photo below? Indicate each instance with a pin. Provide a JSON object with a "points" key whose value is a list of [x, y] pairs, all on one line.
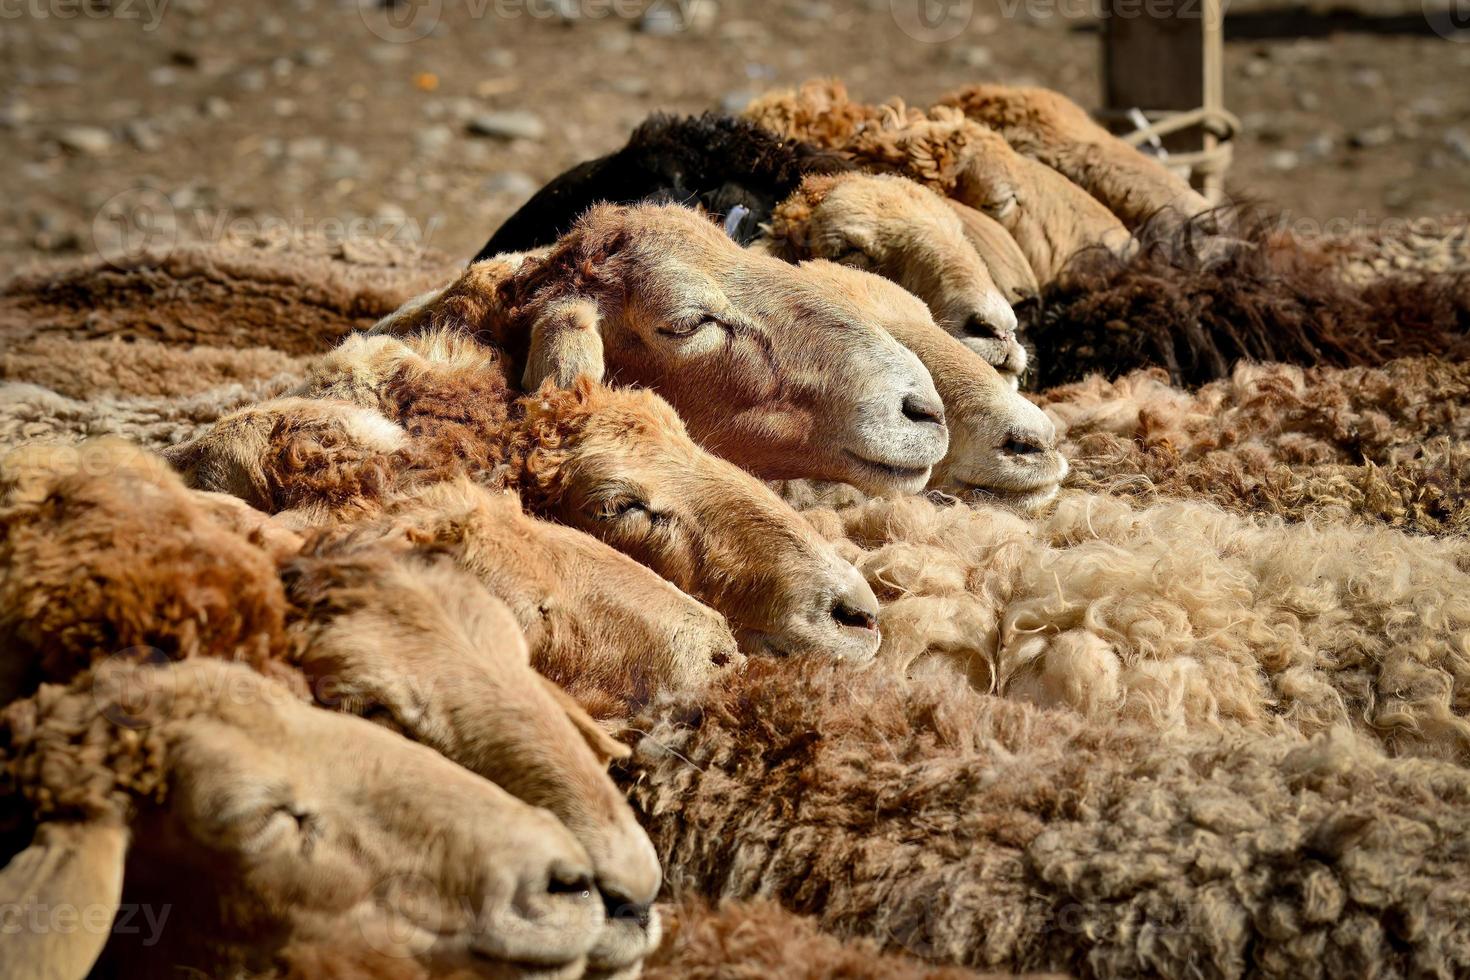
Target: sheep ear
{"points": [[70, 870], [604, 746], [566, 341]]}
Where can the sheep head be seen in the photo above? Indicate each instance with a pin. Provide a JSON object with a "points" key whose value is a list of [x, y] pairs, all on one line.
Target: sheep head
{"points": [[766, 364], [906, 233], [618, 464], [219, 798]]}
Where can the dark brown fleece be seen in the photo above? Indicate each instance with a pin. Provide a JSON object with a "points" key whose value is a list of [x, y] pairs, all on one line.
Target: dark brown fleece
{"points": [[978, 831]]}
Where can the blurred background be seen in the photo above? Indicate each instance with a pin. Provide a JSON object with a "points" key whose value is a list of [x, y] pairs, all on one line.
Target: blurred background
{"points": [[426, 122]]}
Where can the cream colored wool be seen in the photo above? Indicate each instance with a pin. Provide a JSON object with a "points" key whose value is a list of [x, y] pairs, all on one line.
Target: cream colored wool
{"points": [[1178, 615]]}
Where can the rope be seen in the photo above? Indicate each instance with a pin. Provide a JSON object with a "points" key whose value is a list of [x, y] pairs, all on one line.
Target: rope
{"points": [[1220, 123]]}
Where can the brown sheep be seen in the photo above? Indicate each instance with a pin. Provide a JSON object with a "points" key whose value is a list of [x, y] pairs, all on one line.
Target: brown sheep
{"points": [[223, 807], [300, 300], [1344, 444], [368, 626], [1051, 128], [615, 463], [1050, 218], [968, 829]]}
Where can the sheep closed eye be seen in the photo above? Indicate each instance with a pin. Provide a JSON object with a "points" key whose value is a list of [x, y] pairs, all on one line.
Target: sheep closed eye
{"points": [[680, 331], [623, 510]]}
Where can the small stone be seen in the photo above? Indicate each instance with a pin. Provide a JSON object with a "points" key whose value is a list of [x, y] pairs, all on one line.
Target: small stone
{"points": [[433, 139], [163, 76], [1256, 68], [251, 80], [812, 10], [630, 85], [734, 102], [1319, 147], [141, 135], [62, 75], [665, 18], [499, 58], [1458, 140], [1398, 196], [306, 148], [510, 183], [387, 54], [14, 114], [1372, 136], [215, 107], [344, 163], [1308, 101], [507, 125], [91, 140], [1283, 160], [317, 56], [970, 56], [284, 107], [1368, 78]]}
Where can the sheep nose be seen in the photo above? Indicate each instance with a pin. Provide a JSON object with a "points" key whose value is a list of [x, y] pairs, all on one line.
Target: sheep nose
{"points": [[982, 328], [565, 880], [1022, 446], [923, 408], [622, 908], [856, 606]]}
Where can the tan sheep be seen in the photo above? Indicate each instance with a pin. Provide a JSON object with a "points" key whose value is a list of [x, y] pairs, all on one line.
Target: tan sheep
{"points": [[1051, 128], [1178, 615], [1050, 218], [226, 810], [124, 560]]}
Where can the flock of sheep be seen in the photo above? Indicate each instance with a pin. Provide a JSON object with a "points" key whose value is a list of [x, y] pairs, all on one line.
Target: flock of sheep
{"points": [[696, 545]]}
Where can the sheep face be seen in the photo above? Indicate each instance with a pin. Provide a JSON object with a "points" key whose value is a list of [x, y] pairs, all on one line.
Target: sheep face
{"points": [[281, 823], [599, 624], [419, 641], [767, 364], [619, 465], [905, 233]]}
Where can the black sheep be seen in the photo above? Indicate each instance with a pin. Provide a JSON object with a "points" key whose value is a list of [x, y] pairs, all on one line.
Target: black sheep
{"points": [[719, 162]]}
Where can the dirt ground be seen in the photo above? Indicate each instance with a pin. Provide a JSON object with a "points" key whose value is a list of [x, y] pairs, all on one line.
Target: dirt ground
{"points": [[145, 121]]}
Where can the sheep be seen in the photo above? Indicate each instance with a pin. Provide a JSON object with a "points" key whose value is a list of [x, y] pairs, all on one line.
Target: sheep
{"points": [[616, 464], [1051, 128], [779, 368], [129, 560], [1050, 218], [969, 829], [216, 797], [795, 201], [521, 308], [84, 369], [1351, 444], [718, 162], [298, 301], [1004, 260], [1196, 303], [1177, 615], [906, 233]]}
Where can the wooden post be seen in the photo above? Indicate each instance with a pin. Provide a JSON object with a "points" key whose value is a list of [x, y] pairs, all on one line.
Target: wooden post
{"points": [[1161, 57]]}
